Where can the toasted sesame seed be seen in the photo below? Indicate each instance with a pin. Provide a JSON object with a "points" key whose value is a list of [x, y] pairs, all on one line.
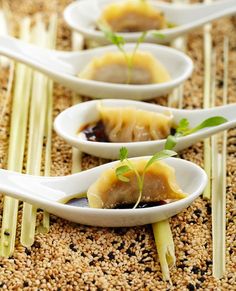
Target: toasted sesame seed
{"points": [[76, 257]]}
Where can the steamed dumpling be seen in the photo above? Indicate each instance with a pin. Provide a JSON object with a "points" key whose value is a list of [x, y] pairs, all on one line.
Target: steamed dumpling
{"points": [[130, 124], [132, 16], [159, 184], [112, 68]]}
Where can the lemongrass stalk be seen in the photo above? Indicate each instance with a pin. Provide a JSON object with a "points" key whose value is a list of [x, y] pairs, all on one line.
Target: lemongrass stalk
{"points": [[51, 41], [165, 247], [38, 110], [206, 101], [161, 230], [76, 153], [226, 64], [7, 96], [219, 217], [77, 44], [3, 31], [18, 129], [176, 98], [219, 211], [219, 194]]}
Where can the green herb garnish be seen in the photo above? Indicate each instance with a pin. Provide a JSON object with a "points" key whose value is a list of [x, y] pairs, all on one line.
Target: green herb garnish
{"points": [[183, 129], [158, 34], [120, 42], [129, 167]]}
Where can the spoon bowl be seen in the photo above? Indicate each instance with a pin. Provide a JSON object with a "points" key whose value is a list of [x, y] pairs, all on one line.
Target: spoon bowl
{"points": [[45, 192], [69, 121], [82, 16], [64, 66]]}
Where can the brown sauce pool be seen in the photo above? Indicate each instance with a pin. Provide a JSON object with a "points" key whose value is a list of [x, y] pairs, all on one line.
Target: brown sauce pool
{"points": [[96, 131], [83, 202]]}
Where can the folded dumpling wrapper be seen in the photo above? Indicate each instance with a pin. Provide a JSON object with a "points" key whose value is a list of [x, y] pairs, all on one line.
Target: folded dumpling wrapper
{"points": [[132, 16], [112, 68], [159, 184], [128, 124]]}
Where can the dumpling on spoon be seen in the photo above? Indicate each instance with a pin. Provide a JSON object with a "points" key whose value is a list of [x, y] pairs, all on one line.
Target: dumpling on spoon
{"points": [[159, 184], [132, 16], [113, 68], [129, 124]]}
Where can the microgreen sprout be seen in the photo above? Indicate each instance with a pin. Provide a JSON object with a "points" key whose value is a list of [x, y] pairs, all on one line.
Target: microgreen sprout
{"points": [[128, 166], [183, 129], [158, 34], [119, 41]]}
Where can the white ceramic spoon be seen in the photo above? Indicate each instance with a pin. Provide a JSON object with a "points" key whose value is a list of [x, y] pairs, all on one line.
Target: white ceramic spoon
{"points": [[64, 66], [82, 16], [44, 192], [69, 121]]}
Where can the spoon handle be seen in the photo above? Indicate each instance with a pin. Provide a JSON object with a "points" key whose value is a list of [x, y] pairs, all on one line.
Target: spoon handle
{"points": [[38, 58], [32, 189], [199, 9], [37, 189]]}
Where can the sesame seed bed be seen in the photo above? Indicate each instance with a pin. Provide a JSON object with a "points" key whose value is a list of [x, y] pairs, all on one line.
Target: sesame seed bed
{"points": [[77, 257]]}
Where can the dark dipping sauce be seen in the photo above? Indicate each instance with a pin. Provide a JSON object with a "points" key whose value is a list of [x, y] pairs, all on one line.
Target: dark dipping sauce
{"points": [[83, 202], [96, 132]]}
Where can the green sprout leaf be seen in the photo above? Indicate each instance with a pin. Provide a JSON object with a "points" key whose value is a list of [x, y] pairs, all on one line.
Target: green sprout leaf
{"points": [[123, 154], [129, 167], [210, 122], [119, 41], [139, 41], [158, 35], [116, 39], [159, 156], [183, 129], [183, 126], [112, 37], [171, 25], [120, 171], [142, 37], [170, 142]]}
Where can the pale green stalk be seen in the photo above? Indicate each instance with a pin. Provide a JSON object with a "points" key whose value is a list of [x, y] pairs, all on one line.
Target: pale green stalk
{"points": [[7, 95], [207, 101], [218, 208], [161, 230], [4, 62], [17, 140], [165, 247], [77, 44], [38, 112], [219, 191], [176, 98], [51, 43]]}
